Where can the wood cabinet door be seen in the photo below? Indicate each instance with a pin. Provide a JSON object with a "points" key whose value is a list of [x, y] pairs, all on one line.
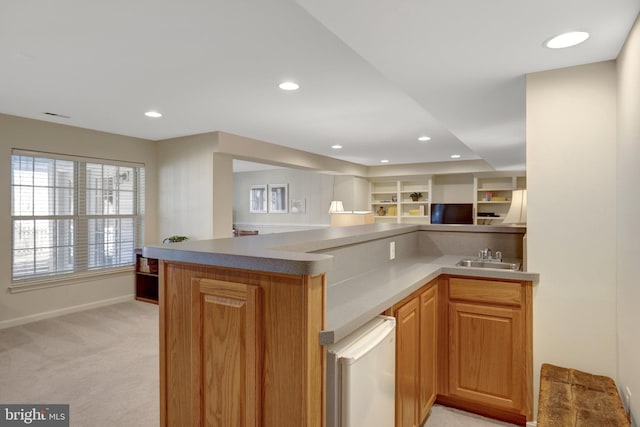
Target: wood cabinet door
{"points": [[486, 354], [407, 338], [428, 350], [229, 336]]}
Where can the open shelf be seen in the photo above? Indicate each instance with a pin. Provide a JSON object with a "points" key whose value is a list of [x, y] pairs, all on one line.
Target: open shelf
{"points": [[393, 196], [146, 278], [489, 192]]}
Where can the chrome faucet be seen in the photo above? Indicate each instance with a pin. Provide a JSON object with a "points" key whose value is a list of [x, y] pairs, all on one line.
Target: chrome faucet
{"points": [[486, 254]]}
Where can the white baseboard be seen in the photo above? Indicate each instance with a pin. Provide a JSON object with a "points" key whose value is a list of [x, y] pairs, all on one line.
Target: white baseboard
{"points": [[532, 423], [60, 312]]}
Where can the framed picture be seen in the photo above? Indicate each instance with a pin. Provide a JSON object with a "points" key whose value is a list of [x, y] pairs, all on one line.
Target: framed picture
{"points": [[298, 206], [258, 199], [278, 198]]}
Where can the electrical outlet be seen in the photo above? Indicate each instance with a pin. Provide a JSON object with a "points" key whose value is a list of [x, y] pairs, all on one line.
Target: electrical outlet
{"points": [[627, 400], [392, 250]]}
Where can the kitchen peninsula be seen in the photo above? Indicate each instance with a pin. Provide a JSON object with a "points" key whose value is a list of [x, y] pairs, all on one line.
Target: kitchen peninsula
{"points": [[244, 321]]}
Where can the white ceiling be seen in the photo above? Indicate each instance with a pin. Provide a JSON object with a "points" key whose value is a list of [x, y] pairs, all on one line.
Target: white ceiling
{"points": [[374, 75]]}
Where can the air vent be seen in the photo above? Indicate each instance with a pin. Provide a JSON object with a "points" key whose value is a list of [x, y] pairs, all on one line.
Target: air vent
{"points": [[56, 115]]}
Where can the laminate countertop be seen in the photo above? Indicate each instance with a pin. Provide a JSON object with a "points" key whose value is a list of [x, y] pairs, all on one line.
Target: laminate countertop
{"points": [[289, 253], [351, 302], [355, 301]]}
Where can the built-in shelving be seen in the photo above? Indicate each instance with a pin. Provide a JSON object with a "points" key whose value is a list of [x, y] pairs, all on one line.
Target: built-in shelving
{"points": [[493, 195], [391, 200], [490, 193], [146, 278]]}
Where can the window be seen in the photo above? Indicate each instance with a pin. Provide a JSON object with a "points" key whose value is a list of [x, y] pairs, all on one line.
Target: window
{"points": [[72, 215]]}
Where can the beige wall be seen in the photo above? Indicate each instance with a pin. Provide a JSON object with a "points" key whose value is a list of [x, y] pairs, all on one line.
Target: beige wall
{"points": [[317, 189], [628, 217], [15, 132], [192, 169], [456, 188], [222, 195], [571, 181], [185, 182], [314, 187], [353, 191]]}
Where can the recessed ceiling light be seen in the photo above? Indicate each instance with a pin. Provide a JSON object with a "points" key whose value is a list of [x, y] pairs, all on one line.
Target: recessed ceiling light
{"points": [[455, 156], [153, 114], [384, 161], [336, 146], [289, 86], [569, 39], [424, 138]]}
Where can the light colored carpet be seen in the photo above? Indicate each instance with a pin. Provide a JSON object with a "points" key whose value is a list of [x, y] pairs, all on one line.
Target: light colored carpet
{"points": [[103, 362]]}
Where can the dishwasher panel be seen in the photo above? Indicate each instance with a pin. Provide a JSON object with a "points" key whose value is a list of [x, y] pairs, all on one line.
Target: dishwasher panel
{"points": [[361, 377]]}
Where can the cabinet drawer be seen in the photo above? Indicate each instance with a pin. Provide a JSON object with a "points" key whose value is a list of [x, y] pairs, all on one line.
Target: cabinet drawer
{"points": [[490, 291]]}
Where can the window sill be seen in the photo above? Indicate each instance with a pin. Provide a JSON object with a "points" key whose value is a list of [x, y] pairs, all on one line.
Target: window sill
{"points": [[72, 279]]}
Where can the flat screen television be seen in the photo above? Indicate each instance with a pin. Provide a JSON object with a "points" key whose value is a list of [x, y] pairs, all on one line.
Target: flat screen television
{"points": [[452, 213]]}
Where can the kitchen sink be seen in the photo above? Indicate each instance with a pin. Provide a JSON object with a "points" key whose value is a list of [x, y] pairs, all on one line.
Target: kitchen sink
{"points": [[484, 263]]}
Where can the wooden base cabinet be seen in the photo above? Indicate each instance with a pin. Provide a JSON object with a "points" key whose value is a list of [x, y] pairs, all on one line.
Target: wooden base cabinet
{"points": [[230, 334], [407, 336], [428, 349], [489, 343], [416, 339], [240, 348], [486, 353]]}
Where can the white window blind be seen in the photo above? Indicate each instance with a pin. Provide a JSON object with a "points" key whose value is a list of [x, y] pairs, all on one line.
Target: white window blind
{"points": [[73, 215]]}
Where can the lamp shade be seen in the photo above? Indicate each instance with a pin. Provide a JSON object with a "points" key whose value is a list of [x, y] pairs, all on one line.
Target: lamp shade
{"points": [[518, 210], [341, 219], [336, 206]]}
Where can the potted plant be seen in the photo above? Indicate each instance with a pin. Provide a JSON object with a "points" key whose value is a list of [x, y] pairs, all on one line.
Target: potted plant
{"points": [[174, 239], [415, 196]]}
